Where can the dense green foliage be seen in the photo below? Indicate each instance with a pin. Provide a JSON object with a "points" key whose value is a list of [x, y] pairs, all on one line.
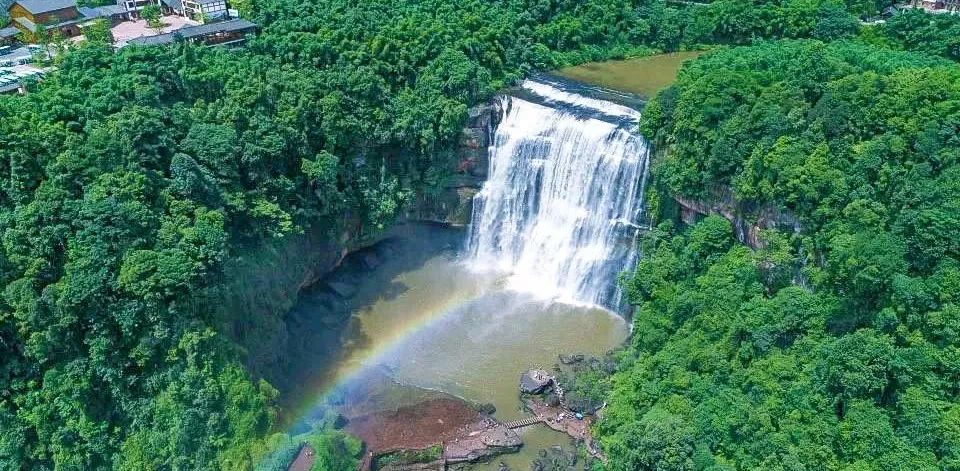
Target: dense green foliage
{"points": [[834, 344], [332, 450], [917, 31], [130, 179]]}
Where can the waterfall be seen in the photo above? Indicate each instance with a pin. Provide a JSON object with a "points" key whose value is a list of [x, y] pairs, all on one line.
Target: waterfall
{"points": [[563, 203]]}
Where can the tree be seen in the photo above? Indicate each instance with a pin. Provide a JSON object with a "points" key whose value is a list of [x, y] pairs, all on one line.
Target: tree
{"points": [[845, 356], [99, 32], [660, 441], [835, 22], [152, 14]]}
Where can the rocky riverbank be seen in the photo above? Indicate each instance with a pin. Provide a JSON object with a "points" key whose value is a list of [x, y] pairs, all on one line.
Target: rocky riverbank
{"points": [[440, 432], [406, 428]]}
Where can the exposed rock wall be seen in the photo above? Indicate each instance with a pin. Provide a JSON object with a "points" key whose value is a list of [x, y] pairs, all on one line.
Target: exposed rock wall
{"points": [[259, 289], [748, 220], [453, 203]]}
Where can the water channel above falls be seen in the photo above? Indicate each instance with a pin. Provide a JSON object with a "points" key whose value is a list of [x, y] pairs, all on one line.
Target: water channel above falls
{"points": [[465, 312]]}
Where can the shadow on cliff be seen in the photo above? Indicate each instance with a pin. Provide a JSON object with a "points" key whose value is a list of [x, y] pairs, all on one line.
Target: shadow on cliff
{"points": [[322, 326]]}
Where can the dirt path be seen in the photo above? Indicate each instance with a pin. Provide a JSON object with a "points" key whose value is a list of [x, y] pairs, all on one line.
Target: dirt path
{"points": [[304, 460]]}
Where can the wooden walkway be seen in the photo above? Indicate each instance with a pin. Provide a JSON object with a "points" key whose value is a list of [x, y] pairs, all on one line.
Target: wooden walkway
{"points": [[524, 422]]}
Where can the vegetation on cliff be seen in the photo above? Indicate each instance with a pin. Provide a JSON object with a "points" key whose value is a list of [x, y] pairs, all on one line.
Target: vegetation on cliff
{"points": [[830, 348]]}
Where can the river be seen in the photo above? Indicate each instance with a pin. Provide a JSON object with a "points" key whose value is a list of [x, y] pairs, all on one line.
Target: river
{"points": [[644, 76], [439, 325]]}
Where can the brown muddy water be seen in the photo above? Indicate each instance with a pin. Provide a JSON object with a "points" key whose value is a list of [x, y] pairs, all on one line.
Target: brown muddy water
{"points": [[644, 76], [429, 321]]}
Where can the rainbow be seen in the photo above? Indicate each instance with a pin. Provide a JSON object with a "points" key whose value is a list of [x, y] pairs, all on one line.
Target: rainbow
{"points": [[357, 361]]}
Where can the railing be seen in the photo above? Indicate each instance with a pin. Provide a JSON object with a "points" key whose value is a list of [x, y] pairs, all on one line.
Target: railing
{"points": [[526, 422]]}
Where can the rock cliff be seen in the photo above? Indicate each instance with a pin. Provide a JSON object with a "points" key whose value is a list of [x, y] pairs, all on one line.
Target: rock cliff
{"points": [[748, 219], [452, 203]]}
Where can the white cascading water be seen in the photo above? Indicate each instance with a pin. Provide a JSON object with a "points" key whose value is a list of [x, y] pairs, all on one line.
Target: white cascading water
{"points": [[562, 205]]}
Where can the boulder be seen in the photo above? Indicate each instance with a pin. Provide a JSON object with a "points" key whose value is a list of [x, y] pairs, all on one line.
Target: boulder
{"points": [[481, 445], [500, 437], [556, 458], [571, 359], [535, 382]]}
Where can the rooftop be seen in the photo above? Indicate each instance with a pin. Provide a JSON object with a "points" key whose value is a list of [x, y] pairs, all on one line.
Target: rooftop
{"points": [[12, 77], [238, 24], [43, 6], [31, 26], [102, 11], [26, 23], [9, 32]]}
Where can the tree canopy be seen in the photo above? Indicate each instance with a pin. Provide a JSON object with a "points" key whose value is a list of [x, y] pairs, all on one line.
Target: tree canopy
{"points": [[129, 179], [830, 345]]}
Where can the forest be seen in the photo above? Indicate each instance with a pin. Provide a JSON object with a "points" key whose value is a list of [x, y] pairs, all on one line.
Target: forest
{"points": [[833, 345], [132, 178]]}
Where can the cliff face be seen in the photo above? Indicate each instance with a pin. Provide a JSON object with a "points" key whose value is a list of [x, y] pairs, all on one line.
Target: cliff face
{"points": [[452, 204], [253, 307], [258, 289], [748, 220]]}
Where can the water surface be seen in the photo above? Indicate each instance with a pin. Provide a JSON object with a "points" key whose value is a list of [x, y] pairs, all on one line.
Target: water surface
{"points": [[554, 224], [644, 76], [436, 324]]}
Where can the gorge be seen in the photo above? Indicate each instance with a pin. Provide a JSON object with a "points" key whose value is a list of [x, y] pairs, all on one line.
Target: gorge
{"points": [[435, 313], [211, 257]]}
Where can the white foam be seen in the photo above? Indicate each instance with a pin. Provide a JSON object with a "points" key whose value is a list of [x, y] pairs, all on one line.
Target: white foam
{"points": [[562, 201], [556, 95]]}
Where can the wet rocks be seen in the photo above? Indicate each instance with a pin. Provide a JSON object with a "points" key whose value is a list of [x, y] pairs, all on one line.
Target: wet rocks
{"points": [[371, 261], [535, 382], [556, 458], [453, 204], [487, 438], [343, 288], [571, 359]]}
